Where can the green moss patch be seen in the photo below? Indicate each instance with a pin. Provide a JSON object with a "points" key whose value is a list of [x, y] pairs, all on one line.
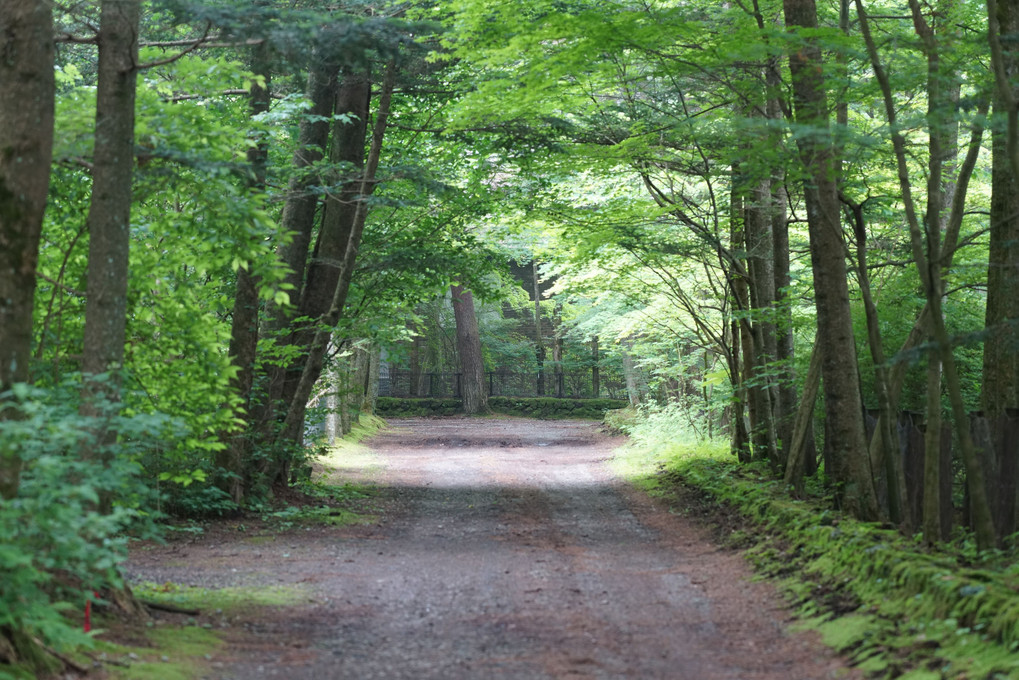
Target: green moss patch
{"points": [[229, 600]]}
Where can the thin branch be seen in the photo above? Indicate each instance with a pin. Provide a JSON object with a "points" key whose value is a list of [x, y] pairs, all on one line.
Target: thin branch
{"points": [[169, 60]]}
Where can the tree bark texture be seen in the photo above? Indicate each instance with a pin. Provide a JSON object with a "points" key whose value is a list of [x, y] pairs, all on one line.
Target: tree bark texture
{"points": [[848, 443], [109, 216], [26, 150], [1000, 387], [468, 347]]}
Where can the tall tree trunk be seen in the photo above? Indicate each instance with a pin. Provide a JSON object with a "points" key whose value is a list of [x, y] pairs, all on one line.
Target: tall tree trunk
{"points": [[595, 369], [885, 452], [298, 222], [244, 322], [851, 464], [26, 150], [109, 217], [557, 352], [293, 423], [339, 213], [468, 346], [539, 340], [1000, 386], [760, 246], [630, 376], [744, 403]]}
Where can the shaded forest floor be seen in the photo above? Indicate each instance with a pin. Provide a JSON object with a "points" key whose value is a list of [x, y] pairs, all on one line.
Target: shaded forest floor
{"points": [[497, 547]]}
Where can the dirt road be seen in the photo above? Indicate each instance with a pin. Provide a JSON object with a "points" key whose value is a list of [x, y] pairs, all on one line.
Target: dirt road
{"points": [[512, 553]]}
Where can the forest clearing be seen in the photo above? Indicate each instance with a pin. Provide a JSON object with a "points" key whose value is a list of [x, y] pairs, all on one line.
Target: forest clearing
{"points": [[773, 244]]}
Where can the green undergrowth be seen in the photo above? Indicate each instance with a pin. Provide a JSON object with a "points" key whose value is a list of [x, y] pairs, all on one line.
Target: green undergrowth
{"points": [[893, 608]]}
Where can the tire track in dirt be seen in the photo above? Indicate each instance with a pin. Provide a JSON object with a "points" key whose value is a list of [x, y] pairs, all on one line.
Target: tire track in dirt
{"points": [[514, 554]]}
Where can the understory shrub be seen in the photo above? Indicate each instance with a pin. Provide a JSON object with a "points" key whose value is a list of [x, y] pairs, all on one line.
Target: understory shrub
{"points": [[56, 548]]}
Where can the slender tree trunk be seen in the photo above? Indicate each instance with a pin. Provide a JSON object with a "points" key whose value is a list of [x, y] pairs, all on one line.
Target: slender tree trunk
{"points": [[468, 346], [760, 251], [244, 322], [744, 404], [796, 462], [925, 242], [109, 218], [932, 529], [595, 370], [630, 376], [557, 353], [371, 390], [851, 464], [539, 340], [1000, 387], [26, 150], [885, 452]]}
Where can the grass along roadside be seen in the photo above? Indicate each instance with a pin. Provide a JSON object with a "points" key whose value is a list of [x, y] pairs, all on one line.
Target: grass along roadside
{"points": [[895, 609]]}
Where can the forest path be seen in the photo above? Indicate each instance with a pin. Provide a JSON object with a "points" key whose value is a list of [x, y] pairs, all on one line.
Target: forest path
{"points": [[511, 551]]}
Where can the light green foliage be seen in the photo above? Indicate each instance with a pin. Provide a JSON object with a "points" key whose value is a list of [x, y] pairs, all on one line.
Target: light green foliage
{"points": [[55, 548], [194, 222]]}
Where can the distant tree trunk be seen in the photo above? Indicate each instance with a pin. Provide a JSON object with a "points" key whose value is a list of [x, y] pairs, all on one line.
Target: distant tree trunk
{"points": [[844, 409], [371, 389], [557, 353], [539, 341], [109, 216], [26, 150], [244, 322], [630, 376], [468, 346], [595, 370], [473, 389]]}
